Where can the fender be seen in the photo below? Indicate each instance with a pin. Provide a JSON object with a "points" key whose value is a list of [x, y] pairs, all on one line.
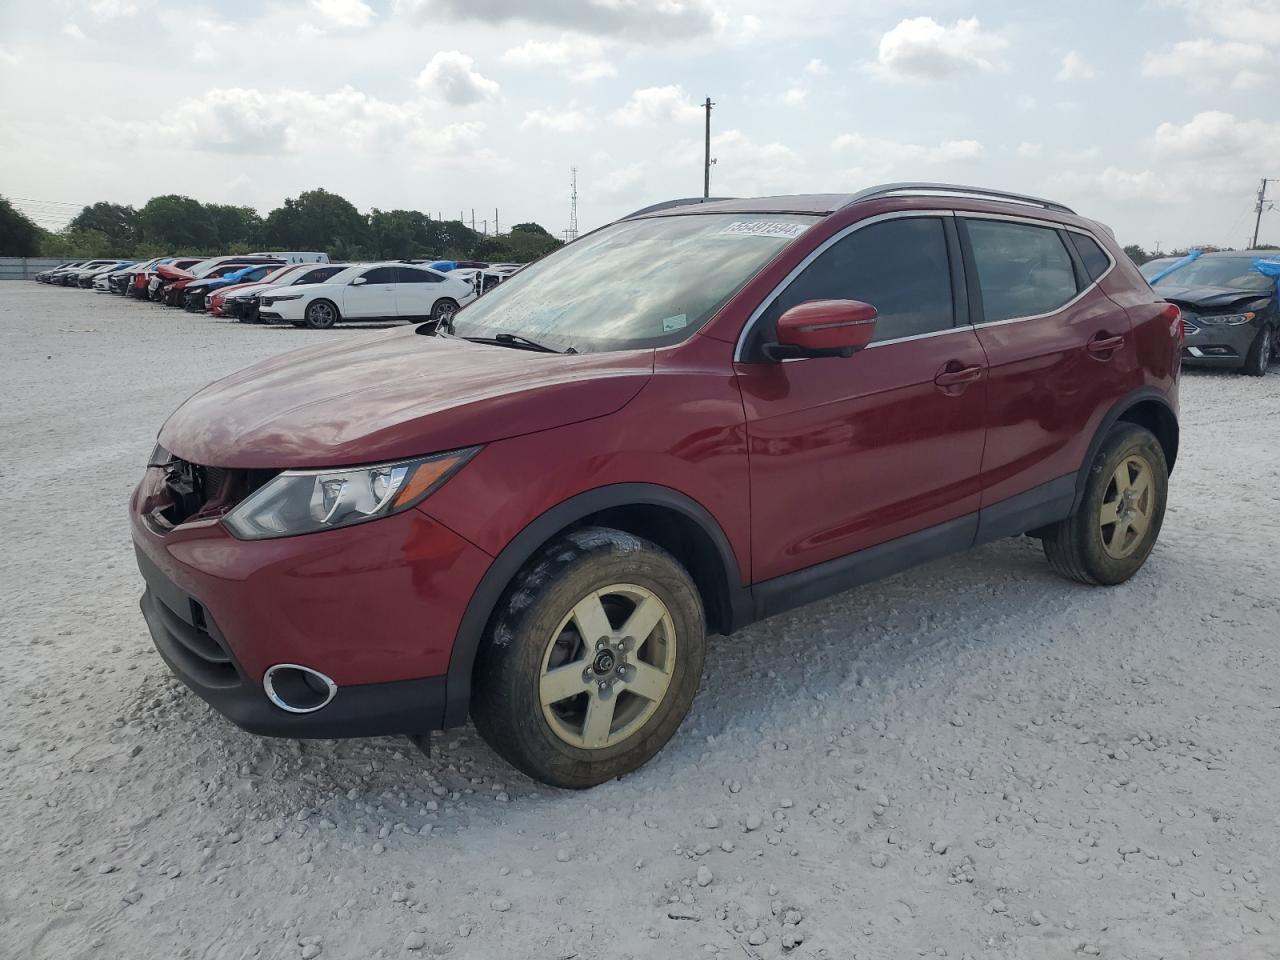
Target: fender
{"points": [[1109, 420], [514, 555]]}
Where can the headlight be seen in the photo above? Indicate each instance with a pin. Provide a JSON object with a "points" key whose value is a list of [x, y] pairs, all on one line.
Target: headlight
{"points": [[288, 296], [1229, 320], [307, 501], [160, 457]]}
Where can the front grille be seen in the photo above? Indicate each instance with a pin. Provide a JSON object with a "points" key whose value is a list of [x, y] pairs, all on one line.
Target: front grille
{"points": [[198, 492], [201, 656]]}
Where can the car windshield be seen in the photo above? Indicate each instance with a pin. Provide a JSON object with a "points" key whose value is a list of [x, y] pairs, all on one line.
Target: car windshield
{"points": [[1236, 273], [1152, 267], [638, 283]]}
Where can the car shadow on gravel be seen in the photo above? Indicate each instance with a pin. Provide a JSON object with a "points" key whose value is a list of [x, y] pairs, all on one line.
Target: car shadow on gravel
{"points": [[864, 638]]}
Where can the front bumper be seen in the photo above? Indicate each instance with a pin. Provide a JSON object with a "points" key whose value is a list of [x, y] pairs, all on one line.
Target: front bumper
{"points": [[1217, 345], [375, 607]]}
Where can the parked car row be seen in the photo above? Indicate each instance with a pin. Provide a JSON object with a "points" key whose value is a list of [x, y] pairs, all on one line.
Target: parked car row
{"points": [[301, 288]]}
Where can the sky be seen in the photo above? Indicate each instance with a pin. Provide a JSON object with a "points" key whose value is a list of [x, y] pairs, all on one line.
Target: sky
{"points": [[1157, 117]]}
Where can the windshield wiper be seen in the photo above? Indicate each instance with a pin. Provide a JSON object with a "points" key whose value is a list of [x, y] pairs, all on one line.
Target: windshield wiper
{"points": [[519, 342]]}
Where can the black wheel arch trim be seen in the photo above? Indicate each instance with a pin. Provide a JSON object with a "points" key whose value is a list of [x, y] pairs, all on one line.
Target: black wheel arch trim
{"points": [[1113, 416], [487, 595]]}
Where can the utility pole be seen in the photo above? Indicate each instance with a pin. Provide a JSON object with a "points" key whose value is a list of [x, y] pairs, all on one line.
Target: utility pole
{"points": [[496, 231], [706, 156], [484, 227], [572, 233], [473, 219], [1262, 205]]}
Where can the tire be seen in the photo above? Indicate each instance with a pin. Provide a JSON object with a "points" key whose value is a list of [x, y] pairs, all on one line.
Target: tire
{"points": [[1084, 547], [535, 637], [1259, 356], [321, 314], [444, 310]]}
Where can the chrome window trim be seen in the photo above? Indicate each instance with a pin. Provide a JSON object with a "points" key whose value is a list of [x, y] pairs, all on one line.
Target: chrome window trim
{"points": [[816, 252]]}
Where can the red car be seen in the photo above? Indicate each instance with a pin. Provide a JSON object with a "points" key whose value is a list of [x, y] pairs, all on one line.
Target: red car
{"points": [[693, 418]]}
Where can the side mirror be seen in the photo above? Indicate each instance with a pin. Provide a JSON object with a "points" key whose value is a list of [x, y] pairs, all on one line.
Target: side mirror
{"points": [[823, 328], [359, 281]]}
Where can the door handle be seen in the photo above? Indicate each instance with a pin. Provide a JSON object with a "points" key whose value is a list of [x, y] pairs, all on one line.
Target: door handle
{"points": [[954, 375], [1102, 346]]}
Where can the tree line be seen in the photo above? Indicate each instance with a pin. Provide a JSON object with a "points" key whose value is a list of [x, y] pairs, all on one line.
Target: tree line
{"points": [[313, 220]]}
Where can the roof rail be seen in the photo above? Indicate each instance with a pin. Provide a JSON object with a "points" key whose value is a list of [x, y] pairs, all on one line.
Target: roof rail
{"points": [[666, 204], [954, 189]]}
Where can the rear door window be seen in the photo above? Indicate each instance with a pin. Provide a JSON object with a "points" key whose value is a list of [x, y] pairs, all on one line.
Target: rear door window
{"points": [[899, 266], [1023, 270], [410, 275], [381, 275]]}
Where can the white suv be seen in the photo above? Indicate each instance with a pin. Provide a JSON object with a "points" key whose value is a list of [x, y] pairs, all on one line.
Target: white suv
{"points": [[370, 291]]}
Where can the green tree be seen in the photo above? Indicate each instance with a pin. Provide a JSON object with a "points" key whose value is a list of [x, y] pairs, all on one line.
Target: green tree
{"points": [[19, 237], [179, 224], [1137, 254], [316, 220], [394, 234], [235, 226], [116, 222], [67, 244], [525, 242]]}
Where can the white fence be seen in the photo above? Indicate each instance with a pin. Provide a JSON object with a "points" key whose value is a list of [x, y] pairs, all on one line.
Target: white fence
{"points": [[24, 268]]}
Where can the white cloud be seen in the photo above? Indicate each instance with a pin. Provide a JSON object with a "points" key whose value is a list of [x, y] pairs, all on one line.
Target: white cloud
{"points": [[923, 49], [112, 9], [1214, 153], [249, 121], [1211, 63], [558, 121], [621, 182], [795, 96], [744, 167], [8, 57], [449, 75], [1074, 67], [1028, 150], [875, 151], [1247, 21], [73, 31], [343, 14], [1222, 137], [652, 105], [816, 67], [646, 20], [579, 57]]}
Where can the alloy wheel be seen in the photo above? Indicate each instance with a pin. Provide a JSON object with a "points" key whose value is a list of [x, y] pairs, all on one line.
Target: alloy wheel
{"points": [[1127, 507], [321, 315], [607, 666]]}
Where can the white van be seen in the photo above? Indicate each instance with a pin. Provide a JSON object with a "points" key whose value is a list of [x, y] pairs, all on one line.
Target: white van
{"points": [[295, 256]]}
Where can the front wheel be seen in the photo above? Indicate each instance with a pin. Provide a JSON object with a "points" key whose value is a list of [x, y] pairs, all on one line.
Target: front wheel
{"points": [[593, 660], [444, 311], [1259, 356], [1112, 532], [321, 315]]}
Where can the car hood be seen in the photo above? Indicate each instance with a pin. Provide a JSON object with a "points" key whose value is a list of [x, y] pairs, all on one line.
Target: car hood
{"points": [[173, 273], [1206, 297], [237, 288], [392, 396]]}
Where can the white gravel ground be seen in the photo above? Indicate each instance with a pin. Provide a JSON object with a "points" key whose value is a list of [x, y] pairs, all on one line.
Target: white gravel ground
{"points": [[973, 759]]}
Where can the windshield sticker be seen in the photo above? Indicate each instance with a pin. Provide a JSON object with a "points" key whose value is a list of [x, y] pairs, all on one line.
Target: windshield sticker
{"points": [[678, 322], [764, 228]]}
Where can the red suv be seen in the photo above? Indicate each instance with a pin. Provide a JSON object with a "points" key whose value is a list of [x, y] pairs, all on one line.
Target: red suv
{"points": [[695, 417]]}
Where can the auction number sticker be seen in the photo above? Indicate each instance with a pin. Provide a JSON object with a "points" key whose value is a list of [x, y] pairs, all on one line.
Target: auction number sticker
{"points": [[764, 228]]}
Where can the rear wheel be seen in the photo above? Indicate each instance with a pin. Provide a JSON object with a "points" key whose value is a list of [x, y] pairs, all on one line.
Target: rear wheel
{"points": [[1111, 534], [593, 661], [321, 315], [1259, 356]]}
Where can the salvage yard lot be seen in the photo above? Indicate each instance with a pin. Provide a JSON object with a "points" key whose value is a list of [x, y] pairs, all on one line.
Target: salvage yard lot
{"points": [[972, 758]]}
